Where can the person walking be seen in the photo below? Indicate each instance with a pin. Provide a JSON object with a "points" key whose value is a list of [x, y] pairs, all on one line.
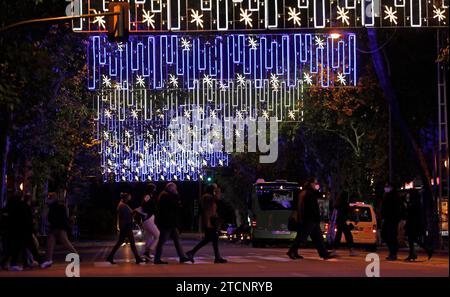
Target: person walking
{"points": [[15, 234], [125, 220], [308, 221], [30, 246], [210, 223], [59, 227], [342, 209], [413, 226], [168, 206], [390, 216], [151, 231]]}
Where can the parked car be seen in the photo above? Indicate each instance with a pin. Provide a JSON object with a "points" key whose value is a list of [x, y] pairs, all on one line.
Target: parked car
{"points": [[363, 222]]}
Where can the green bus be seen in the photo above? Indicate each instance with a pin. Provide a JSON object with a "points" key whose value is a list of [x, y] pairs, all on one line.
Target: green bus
{"points": [[270, 205]]}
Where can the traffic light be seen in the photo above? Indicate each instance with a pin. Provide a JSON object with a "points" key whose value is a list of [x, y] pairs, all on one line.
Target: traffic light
{"points": [[118, 24], [209, 177]]}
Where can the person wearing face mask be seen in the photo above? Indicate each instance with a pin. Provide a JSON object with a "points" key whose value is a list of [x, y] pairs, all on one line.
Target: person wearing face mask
{"points": [[151, 231], [167, 207], [125, 218], [390, 216], [308, 218]]}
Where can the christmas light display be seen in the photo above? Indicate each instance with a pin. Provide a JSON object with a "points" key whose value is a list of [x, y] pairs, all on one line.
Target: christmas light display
{"points": [[212, 62], [201, 82], [245, 15]]}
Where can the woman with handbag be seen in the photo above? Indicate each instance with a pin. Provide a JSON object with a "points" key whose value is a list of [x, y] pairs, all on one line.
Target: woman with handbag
{"points": [[210, 221]]}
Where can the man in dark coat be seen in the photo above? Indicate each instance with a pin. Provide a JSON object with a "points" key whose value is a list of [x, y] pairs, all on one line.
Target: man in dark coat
{"points": [[390, 215], [414, 226], [125, 220], [308, 218], [59, 227], [167, 214], [16, 229], [342, 208], [210, 223]]}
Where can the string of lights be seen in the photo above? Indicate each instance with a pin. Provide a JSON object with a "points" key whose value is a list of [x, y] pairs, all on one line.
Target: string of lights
{"points": [[250, 15]]}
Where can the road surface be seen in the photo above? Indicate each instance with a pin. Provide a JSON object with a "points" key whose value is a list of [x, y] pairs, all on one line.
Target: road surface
{"points": [[244, 261]]}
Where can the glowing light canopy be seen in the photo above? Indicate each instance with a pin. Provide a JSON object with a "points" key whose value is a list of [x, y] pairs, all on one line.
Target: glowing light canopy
{"points": [[237, 15], [201, 82]]}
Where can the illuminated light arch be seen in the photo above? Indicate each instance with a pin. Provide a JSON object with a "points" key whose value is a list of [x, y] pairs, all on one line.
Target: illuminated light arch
{"points": [[144, 84], [245, 15]]}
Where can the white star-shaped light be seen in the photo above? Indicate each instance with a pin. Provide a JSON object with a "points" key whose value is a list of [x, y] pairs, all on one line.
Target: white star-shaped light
{"points": [[197, 18], [307, 78], [185, 44], [108, 114], [291, 115], [100, 20], [106, 81], [274, 81], [438, 13], [341, 78], [319, 42], [240, 79], [140, 81], [149, 19], [222, 86], [342, 15], [294, 16], [173, 80], [134, 114], [246, 17], [237, 133], [120, 46], [239, 114], [390, 14], [265, 114], [208, 80], [187, 114], [213, 114], [127, 134], [215, 133], [253, 43]]}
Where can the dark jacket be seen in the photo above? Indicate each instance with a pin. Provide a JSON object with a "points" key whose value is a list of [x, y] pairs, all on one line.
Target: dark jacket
{"points": [[343, 210], [57, 217], [414, 224], [168, 210], [16, 217], [149, 208], [308, 207], [124, 216], [390, 208], [210, 218]]}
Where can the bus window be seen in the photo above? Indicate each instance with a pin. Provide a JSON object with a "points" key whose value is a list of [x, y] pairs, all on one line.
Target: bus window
{"points": [[276, 199]]}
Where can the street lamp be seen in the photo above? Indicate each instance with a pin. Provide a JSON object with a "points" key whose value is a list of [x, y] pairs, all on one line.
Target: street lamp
{"points": [[335, 35]]}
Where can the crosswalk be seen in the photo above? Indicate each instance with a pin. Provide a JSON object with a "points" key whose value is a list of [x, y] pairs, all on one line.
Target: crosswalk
{"points": [[205, 260]]}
